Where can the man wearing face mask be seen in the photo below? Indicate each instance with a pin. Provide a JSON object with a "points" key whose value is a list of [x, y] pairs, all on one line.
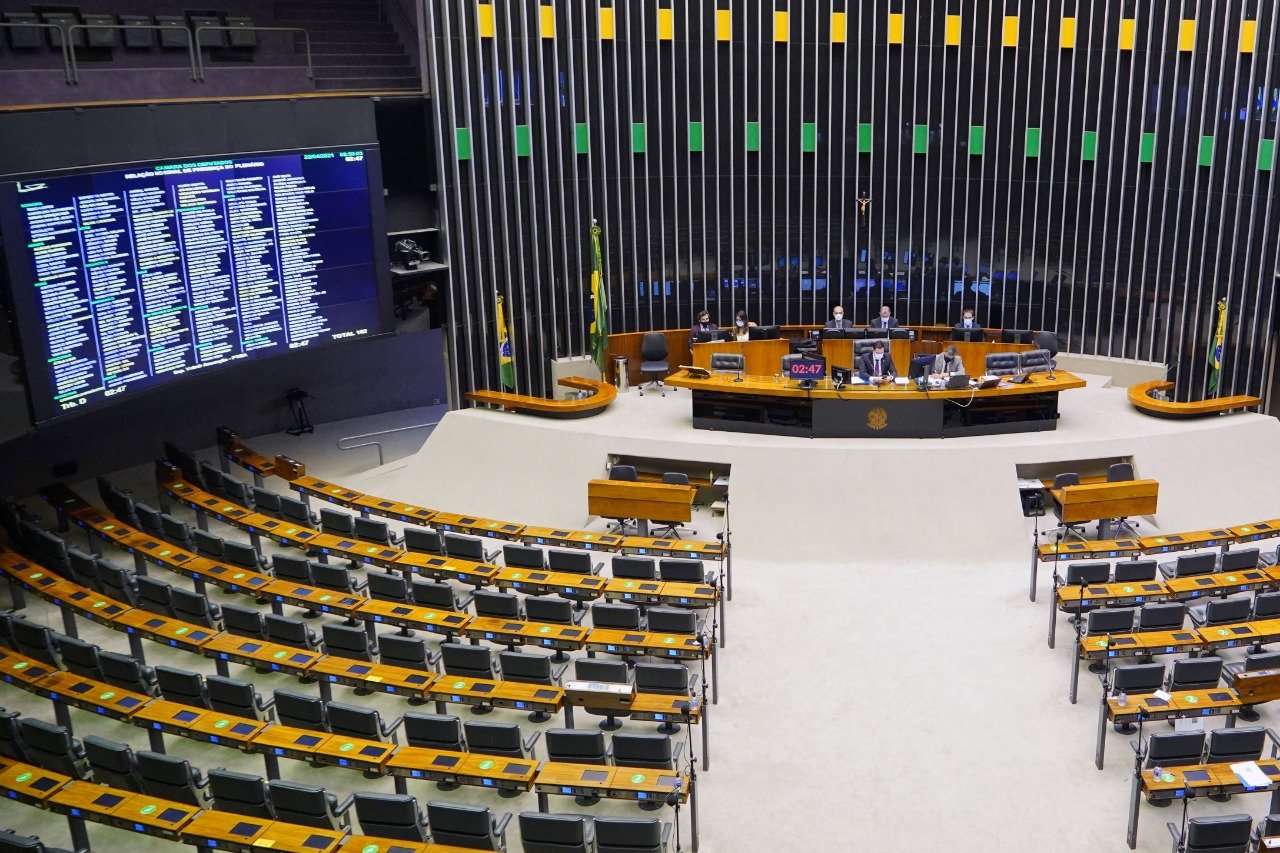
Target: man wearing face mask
{"points": [[948, 363], [740, 326], [838, 320], [703, 324]]}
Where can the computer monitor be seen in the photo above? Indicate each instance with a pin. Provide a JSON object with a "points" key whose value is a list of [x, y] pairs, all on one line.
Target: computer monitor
{"points": [[841, 375], [807, 367], [921, 365], [1015, 336], [717, 335], [771, 333], [973, 336], [837, 334]]}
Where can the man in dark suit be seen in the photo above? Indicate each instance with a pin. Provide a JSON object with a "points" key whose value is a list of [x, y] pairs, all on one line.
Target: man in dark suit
{"points": [[967, 323], [838, 320], [703, 324], [885, 320], [876, 363]]}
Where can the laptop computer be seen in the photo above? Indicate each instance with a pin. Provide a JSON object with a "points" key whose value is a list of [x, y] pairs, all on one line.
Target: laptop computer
{"points": [[989, 382], [957, 381]]}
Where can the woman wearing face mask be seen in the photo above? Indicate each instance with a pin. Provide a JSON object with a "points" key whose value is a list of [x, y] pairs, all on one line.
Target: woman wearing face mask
{"points": [[740, 326]]}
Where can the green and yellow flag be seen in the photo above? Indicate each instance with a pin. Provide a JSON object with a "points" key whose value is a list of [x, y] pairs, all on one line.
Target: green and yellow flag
{"points": [[1215, 351], [506, 364], [599, 301]]}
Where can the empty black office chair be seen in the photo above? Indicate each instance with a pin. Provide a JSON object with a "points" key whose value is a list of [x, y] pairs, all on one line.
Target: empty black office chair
{"points": [[684, 570], [391, 816], [467, 660], [238, 492], [434, 731], [631, 835], [665, 527], [437, 595], [360, 722], [11, 743], [300, 710], [390, 586], [1135, 571], [515, 555], [531, 669], [292, 509], [1173, 749], [648, 750], [1161, 617], [473, 827], [1266, 605], [626, 473], [241, 793], [1063, 530], [150, 520], [112, 763], [1120, 472], [242, 554], [673, 620], [79, 657], [232, 696], [243, 621], [608, 671], [337, 523], [309, 806], [624, 617], [653, 360], [117, 583], [1002, 364], [193, 607], [176, 531], [1188, 565], [53, 748], [1239, 561], [408, 652], [500, 605], [557, 611], [1107, 621], [154, 595], [635, 568], [503, 739], [673, 679], [1217, 834], [556, 833], [573, 561], [172, 778], [10, 841], [349, 642], [423, 540], [1135, 680], [289, 567], [1221, 611], [577, 747], [338, 578], [290, 632], [1268, 827], [84, 569], [468, 548], [374, 530], [728, 362], [1194, 674], [182, 686], [212, 479], [1086, 573], [266, 501], [127, 672], [1230, 745]]}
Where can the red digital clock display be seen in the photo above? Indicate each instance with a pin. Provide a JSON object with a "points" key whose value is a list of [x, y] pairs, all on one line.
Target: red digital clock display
{"points": [[807, 368]]}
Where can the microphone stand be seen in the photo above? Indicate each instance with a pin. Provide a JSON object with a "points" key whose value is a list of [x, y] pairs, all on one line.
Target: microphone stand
{"points": [[693, 773]]}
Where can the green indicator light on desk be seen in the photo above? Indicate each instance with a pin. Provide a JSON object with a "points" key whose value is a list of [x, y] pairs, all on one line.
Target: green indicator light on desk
{"points": [[97, 604], [637, 778], [1191, 699], [629, 584], [347, 747], [1222, 632], [1166, 777], [108, 527], [165, 553], [37, 575], [20, 665], [237, 576], [181, 630], [458, 685], [110, 694], [544, 630], [325, 597], [1231, 578], [279, 655], [370, 848], [1102, 644], [668, 640], [515, 576], [485, 765], [221, 724], [1128, 589], [148, 809], [22, 777]]}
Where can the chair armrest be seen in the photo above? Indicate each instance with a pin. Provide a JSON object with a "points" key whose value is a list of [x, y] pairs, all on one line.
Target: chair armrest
{"points": [[500, 824], [489, 556], [343, 806], [694, 678], [433, 658], [358, 584], [374, 651], [1198, 614], [530, 741], [676, 753], [557, 672], [464, 602], [576, 616], [666, 836], [389, 728], [1176, 832], [596, 568]]}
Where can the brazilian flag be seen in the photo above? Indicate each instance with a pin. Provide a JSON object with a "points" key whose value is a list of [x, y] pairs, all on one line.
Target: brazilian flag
{"points": [[600, 303], [506, 364], [1215, 352]]}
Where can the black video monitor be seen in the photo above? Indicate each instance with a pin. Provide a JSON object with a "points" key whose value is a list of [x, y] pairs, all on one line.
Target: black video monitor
{"points": [[1015, 336], [838, 334], [129, 277], [807, 367], [841, 375], [705, 337], [973, 336], [756, 333], [770, 333], [921, 365]]}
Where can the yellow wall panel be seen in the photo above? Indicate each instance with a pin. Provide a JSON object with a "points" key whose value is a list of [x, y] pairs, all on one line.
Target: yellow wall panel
{"points": [[839, 27], [1128, 33], [666, 24], [952, 34], [484, 20], [1010, 30], [547, 22], [1187, 36], [781, 26], [724, 25], [1067, 38], [897, 27], [1248, 36], [606, 22]]}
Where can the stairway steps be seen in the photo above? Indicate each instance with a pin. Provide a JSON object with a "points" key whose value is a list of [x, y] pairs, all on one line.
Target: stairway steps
{"points": [[358, 60], [355, 49], [369, 84]]}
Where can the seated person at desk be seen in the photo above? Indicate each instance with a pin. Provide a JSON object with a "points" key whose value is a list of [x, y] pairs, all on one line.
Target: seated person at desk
{"points": [[967, 323], [885, 320], [740, 326], [876, 363], [948, 363], [703, 324], [838, 320]]}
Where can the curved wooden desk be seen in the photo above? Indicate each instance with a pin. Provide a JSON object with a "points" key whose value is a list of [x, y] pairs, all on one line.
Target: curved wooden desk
{"points": [[1140, 397], [602, 394]]}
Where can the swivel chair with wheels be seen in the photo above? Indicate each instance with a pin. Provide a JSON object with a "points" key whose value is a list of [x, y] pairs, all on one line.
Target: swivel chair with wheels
{"points": [[653, 361]]}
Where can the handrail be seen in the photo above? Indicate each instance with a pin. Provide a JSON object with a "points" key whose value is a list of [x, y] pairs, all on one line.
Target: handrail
{"points": [[378, 444], [74, 75], [66, 65], [306, 39]]}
